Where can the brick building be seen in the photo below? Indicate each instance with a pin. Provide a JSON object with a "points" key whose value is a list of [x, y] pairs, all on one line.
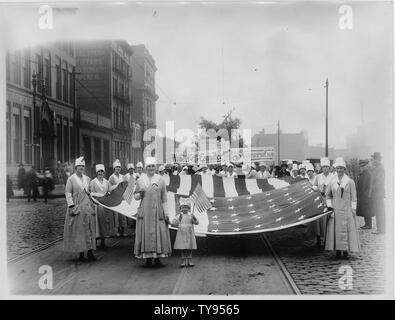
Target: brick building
{"points": [[144, 98], [105, 101], [43, 134]]}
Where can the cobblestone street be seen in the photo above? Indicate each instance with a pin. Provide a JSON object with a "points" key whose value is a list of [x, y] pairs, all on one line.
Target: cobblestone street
{"points": [[316, 272], [32, 225]]}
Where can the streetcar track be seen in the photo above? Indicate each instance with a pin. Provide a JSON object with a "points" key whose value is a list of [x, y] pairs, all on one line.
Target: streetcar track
{"points": [[287, 278], [285, 275], [27, 254]]}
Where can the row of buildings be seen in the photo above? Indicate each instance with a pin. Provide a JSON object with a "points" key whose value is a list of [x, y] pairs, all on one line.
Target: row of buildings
{"points": [[296, 146], [91, 98]]}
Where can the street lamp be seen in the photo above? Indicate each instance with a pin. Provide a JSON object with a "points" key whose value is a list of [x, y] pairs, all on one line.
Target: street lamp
{"points": [[36, 120], [36, 79]]}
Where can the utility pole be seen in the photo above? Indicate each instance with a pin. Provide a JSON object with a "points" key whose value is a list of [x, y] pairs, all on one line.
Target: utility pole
{"points": [[278, 142], [326, 119]]}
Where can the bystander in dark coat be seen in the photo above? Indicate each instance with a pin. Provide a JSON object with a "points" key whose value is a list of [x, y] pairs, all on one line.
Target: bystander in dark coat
{"points": [[363, 187], [10, 192], [31, 188], [377, 192], [21, 176]]}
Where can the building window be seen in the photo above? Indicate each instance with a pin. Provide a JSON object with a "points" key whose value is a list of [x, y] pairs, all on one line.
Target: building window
{"points": [[72, 143], [8, 131], [26, 69], [17, 67], [97, 150], [87, 150], [17, 135], [59, 139], [65, 86], [121, 93], [40, 72], [28, 136], [71, 77], [66, 143], [8, 66], [58, 82], [48, 86], [106, 153]]}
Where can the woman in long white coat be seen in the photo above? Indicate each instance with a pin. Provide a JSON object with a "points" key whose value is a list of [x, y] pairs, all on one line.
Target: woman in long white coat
{"points": [[105, 218], [152, 239], [342, 232], [80, 222]]}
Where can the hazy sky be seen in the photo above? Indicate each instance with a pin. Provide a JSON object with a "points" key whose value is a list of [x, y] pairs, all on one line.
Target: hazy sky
{"points": [[268, 61]]}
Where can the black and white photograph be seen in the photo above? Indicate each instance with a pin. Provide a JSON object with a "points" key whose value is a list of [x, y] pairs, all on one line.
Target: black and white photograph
{"points": [[197, 149]]}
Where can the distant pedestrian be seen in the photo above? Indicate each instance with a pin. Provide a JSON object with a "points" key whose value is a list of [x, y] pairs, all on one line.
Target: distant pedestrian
{"points": [[342, 234], [10, 192], [58, 173], [363, 186], [66, 172], [21, 177], [185, 238], [32, 180], [377, 192], [47, 184], [80, 222]]}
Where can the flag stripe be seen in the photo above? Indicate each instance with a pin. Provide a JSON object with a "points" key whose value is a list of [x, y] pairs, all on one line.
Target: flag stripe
{"points": [[241, 188], [185, 185], [175, 182], [219, 190], [208, 185], [229, 187], [196, 179], [264, 185], [252, 186]]}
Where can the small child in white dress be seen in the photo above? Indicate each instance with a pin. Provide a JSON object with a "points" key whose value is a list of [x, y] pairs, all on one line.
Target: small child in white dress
{"points": [[185, 239]]}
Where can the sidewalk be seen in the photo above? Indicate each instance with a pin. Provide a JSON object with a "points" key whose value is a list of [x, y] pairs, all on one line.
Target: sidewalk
{"points": [[56, 193]]}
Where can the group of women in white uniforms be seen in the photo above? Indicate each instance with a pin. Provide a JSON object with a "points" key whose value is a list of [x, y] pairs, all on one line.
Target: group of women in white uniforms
{"points": [[85, 222]]}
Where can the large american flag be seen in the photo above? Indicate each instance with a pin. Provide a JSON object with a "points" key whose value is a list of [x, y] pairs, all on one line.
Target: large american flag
{"points": [[238, 206]]}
